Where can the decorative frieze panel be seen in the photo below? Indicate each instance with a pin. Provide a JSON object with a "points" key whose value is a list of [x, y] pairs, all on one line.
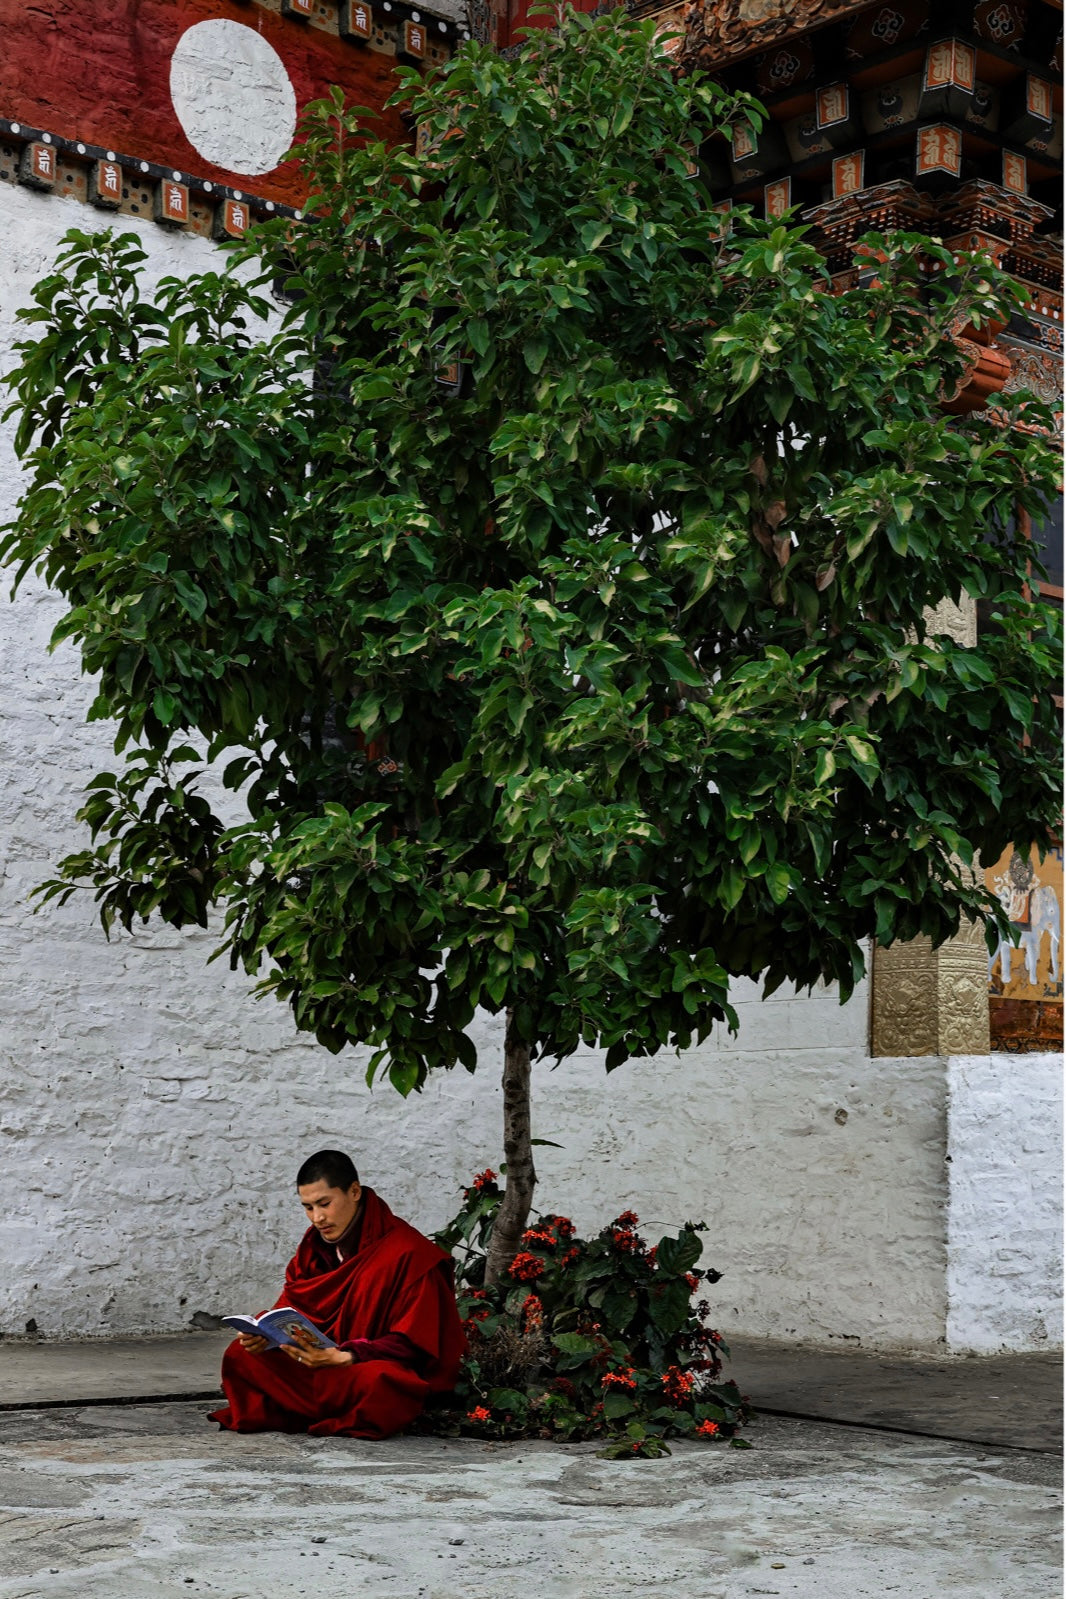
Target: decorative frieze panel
{"points": [[784, 68], [886, 27], [1001, 22], [126, 186]]}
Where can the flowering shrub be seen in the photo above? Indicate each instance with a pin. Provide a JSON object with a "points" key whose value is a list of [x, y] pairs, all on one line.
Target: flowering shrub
{"points": [[587, 1338]]}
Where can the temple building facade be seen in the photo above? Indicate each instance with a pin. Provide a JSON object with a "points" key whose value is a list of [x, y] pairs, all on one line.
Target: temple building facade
{"points": [[884, 1173]]}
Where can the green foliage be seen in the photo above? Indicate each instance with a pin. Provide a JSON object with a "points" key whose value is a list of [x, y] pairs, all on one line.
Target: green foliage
{"points": [[583, 687], [587, 1338]]}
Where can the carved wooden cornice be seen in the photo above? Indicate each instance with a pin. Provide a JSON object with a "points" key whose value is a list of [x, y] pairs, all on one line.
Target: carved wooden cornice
{"points": [[720, 31]]}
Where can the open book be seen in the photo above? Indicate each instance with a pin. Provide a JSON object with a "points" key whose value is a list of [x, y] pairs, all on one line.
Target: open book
{"points": [[278, 1326]]}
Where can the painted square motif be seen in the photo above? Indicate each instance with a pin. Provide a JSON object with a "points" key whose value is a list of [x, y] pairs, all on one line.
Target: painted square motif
{"points": [[778, 197], [831, 104], [848, 173], [939, 150], [950, 63], [298, 8], [172, 202], [105, 184], [1038, 97], [38, 167], [414, 40], [1015, 173], [235, 218], [356, 21], [743, 141]]}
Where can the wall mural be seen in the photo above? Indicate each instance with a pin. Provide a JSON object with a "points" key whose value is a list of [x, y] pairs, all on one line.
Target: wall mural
{"points": [[198, 90], [1025, 979]]}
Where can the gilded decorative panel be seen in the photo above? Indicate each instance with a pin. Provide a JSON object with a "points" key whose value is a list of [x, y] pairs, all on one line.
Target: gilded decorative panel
{"points": [[931, 1002]]}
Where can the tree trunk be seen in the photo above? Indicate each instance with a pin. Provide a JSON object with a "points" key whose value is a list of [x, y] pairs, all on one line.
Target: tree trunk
{"points": [[513, 1214]]}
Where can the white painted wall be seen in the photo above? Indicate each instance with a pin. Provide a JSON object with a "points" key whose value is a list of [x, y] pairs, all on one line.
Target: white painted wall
{"points": [[1004, 1237], [152, 1115]]}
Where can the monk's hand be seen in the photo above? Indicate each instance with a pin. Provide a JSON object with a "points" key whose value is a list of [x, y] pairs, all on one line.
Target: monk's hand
{"points": [[306, 1352], [253, 1343]]}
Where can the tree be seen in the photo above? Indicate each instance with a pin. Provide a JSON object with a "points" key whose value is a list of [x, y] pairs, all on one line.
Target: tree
{"points": [[553, 585]]}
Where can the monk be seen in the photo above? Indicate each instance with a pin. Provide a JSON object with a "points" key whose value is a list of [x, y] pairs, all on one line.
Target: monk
{"points": [[380, 1290]]}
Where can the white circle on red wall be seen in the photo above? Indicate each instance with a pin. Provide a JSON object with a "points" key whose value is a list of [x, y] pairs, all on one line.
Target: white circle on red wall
{"points": [[233, 96]]}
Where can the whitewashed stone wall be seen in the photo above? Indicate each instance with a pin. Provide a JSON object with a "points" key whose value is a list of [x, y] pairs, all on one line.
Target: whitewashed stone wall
{"points": [[152, 1115], [1005, 1212]]}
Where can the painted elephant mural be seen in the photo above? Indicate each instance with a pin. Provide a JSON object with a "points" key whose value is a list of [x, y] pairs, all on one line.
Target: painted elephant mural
{"points": [[1031, 894]]}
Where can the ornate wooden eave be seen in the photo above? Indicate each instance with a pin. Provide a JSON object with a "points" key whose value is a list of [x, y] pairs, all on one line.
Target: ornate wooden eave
{"points": [[936, 116], [721, 31]]}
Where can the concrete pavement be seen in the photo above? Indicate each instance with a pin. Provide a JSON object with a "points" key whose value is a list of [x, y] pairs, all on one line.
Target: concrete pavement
{"points": [[150, 1502], [107, 1494]]}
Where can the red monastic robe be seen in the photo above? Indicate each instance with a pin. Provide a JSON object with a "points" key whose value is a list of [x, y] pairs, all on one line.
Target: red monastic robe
{"points": [[396, 1282]]}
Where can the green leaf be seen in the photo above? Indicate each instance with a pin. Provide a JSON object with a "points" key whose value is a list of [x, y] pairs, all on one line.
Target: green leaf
{"points": [[616, 1405], [861, 751], [190, 594], [778, 880], [534, 351], [165, 706], [675, 1256]]}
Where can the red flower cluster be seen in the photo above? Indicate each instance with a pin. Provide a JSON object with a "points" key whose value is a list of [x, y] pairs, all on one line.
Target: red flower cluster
{"points": [[541, 1236], [623, 1378], [626, 1243], [484, 1179], [532, 1314], [563, 1225], [693, 1281], [564, 1386], [479, 1414], [569, 1258], [628, 1219], [477, 1313], [526, 1268], [702, 1337], [677, 1384], [707, 1429]]}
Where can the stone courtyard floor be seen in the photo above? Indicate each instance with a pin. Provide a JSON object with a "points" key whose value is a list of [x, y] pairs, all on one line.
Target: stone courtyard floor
{"points": [[144, 1499]]}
